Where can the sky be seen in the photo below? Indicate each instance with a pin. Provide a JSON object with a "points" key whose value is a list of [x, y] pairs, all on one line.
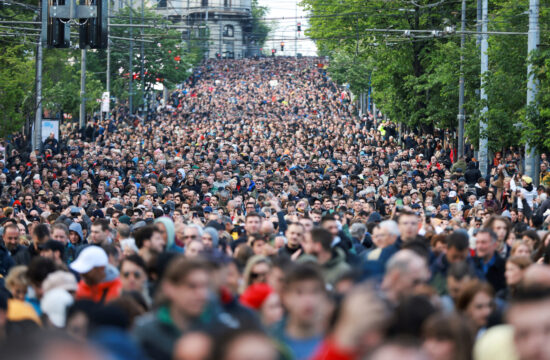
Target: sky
{"points": [[285, 29]]}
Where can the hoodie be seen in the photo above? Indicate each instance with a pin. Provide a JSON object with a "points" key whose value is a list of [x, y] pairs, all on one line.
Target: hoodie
{"points": [[170, 234]]}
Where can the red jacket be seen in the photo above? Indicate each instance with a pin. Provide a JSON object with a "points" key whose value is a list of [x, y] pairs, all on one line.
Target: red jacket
{"points": [[102, 292], [330, 351]]}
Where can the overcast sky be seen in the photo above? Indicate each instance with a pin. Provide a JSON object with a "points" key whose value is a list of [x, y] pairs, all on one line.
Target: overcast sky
{"points": [[286, 28]]}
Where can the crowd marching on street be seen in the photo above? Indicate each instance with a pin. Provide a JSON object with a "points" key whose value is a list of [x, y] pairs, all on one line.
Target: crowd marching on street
{"points": [[256, 215]]}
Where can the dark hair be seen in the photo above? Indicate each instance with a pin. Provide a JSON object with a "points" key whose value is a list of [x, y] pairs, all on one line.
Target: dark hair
{"points": [[41, 231], [403, 213], [303, 272], [460, 270], [135, 259], [180, 268], [488, 231], [458, 240], [470, 290], [253, 214], [104, 223], [410, 315], [39, 268], [452, 327], [143, 234], [322, 236]]}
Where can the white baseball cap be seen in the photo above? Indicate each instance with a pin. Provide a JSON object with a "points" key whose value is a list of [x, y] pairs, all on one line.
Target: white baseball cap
{"points": [[91, 257]]}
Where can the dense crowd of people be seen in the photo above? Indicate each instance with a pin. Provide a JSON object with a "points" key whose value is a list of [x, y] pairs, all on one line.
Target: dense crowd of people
{"points": [[253, 215]]}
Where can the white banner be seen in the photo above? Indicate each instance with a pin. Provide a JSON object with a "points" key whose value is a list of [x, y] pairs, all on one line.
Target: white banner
{"points": [[105, 102], [48, 127]]}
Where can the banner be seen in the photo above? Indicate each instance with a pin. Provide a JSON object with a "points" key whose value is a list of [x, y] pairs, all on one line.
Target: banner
{"points": [[50, 126]]}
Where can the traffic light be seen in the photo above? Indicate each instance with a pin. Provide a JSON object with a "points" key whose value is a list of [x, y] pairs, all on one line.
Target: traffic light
{"points": [[282, 46], [94, 33], [272, 52], [299, 27], [58, 33]]}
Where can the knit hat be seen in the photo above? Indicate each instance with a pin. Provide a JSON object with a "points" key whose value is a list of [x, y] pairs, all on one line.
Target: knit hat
{"points": [[59, 279], [54, 304], [125, 219], [255, 295]]}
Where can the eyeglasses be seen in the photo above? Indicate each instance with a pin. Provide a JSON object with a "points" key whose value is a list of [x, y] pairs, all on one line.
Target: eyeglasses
{"points": [[254, 275], [127, 274]]}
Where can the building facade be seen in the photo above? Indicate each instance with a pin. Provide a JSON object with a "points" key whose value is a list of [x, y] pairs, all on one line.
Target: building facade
{"points": [[223, 26]]}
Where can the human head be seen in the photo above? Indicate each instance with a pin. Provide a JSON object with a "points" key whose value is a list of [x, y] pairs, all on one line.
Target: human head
{"points": [[408, 225], [16, 282], [133, 273], [385, 233], [90, 264], [257, 270], [60, 232], [486, 244], [252, 223], [475, 301], [500, 225], [185, 285], [529, 314], [405, 271], [458, 275], [447, 336], [303, 294], [294, 235], [11, 236], [515, 267], [457, 246], [100, 233]]}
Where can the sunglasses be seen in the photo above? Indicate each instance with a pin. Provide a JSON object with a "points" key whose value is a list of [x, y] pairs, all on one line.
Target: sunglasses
{"points": [[257, 275], [127, 274]]}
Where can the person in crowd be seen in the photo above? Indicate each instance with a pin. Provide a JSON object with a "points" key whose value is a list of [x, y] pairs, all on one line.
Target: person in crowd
{"points": [[487, 261], [256, 194], [99, 282], [475, 302]]}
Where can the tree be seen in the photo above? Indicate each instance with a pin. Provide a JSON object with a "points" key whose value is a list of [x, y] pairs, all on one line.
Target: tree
{"points": [[16, 87], [259, 29], [167, 58]]}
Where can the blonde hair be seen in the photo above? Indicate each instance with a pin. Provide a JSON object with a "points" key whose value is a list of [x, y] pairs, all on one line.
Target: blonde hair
{"points": [[17, 276]]}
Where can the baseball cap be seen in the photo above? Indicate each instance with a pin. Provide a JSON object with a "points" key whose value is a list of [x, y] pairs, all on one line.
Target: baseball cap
{"points": [[91, 257], [527, 179]]}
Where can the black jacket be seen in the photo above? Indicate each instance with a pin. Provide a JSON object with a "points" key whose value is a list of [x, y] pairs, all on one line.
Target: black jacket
{"points": [[495, 272], [6, 261]]}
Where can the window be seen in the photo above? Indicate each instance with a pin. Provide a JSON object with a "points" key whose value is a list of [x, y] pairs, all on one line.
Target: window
{"points": [[228, 31], [227, 3], [161, 4], [204, 3]]}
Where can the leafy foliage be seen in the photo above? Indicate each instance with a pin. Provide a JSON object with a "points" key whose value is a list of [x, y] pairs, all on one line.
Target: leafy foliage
{"points": [[415, 79]]}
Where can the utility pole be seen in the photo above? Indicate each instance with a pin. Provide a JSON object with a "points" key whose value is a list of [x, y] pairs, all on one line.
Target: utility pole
{"points": [[483, 161], [82, 116], [108, 80], [531, 168], [478, 22], [142, 72], [461, 84], [37, 138], [297, 33], [131, 67]]}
